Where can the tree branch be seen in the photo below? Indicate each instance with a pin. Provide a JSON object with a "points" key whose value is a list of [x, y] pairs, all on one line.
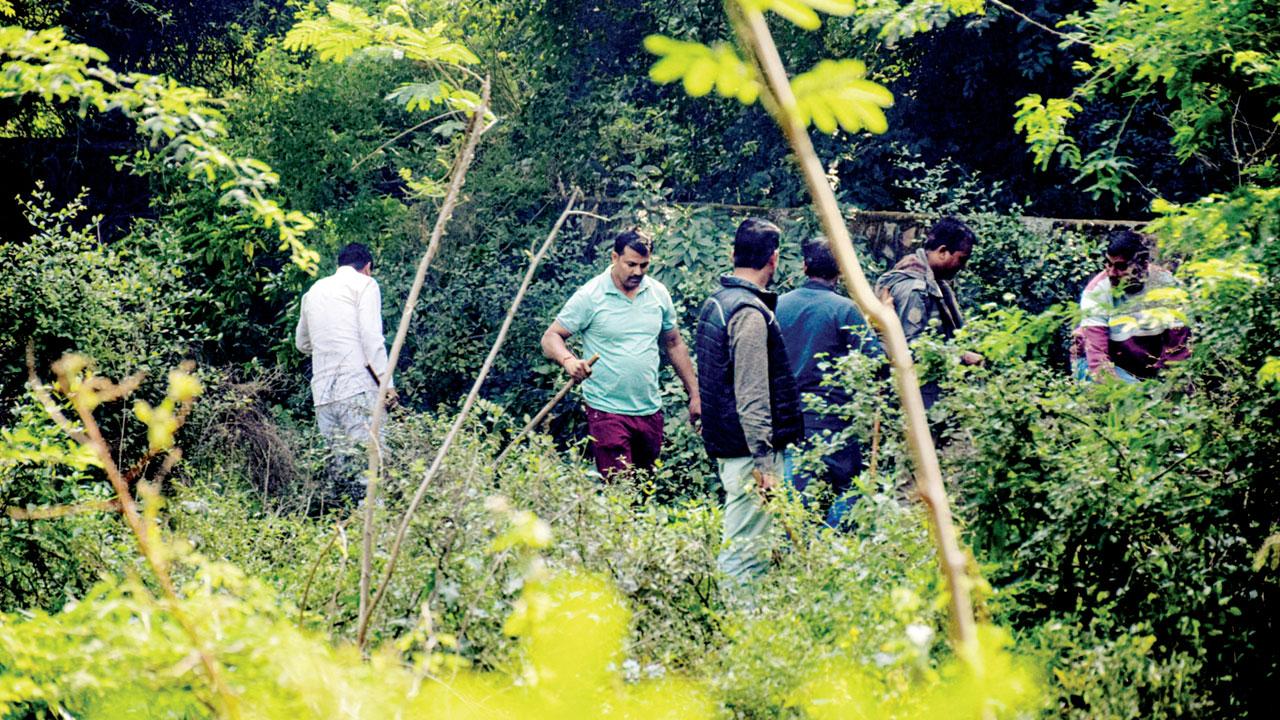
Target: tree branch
{"points": [[92, 438], [378, 412], [363, 631], [1071, 39]]}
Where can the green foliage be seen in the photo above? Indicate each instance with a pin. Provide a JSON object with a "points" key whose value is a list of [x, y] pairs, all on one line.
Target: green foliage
{"points": [[1045, 126], [1003, 687], [894, 21], [33, 441], [1220, 224], [128, 304], [1128, 533], [346, 29], [543, 645], [701, 68], [44, 563], [838, 92], [122, 652], [802, 12], [181, 123], [832, 94], [1213, 62], [1269, 373], [1114, 507], [1102, 671]]}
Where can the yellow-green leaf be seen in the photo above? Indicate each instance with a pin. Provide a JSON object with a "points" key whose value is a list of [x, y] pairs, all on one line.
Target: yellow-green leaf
{"points": [[836, 94], [700, 77]]}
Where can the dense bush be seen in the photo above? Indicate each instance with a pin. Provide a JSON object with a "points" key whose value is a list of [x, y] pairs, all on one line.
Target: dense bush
{"points": [[128, 304], [1118, 507], [459, 594]]}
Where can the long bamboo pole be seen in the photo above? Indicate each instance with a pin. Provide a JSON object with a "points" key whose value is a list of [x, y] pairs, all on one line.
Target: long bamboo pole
{"points": [[378, 413], [751, 28], [362, 633]]}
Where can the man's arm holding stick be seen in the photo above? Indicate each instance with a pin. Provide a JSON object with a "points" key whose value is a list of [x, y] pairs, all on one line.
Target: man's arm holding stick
{"points": [[554, 347]]}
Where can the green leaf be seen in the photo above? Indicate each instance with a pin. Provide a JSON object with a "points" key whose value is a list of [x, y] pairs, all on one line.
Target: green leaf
{"points": [[802, 12], [418, 96], [348, 30], [1044, 125], [702, 68], [836, 93], [700, 77]]}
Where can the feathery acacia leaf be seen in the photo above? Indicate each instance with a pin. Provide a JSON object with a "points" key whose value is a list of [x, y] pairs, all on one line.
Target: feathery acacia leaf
{"points": [[803, 13], [702, 68], [347, 30], [837, 93], [424, 96]]}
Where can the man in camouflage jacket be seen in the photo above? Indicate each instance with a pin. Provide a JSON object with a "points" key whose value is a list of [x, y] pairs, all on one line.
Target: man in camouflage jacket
{"points": [[919, 286]]}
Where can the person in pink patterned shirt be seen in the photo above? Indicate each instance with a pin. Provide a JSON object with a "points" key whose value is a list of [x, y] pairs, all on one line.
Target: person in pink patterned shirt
{"points": [[1127, 328]]}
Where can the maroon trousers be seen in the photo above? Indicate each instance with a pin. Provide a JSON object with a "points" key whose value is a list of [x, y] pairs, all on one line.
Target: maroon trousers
{"points": [[624, 441]]}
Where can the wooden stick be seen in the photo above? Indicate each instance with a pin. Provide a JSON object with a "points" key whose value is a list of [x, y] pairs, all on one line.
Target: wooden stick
{"points": [[362, 634], [378, 413], [875, 443], [546, 409], [779, 100]]}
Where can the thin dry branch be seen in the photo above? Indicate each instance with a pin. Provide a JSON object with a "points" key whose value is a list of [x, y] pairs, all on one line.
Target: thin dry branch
{"points": [[475, 128], [403, 530], [750, 26], [92, 438], [400, 135], [339, 531], [1069, 39]]}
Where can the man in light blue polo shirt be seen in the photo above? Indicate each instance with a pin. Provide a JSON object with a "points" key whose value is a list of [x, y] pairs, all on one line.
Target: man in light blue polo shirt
{"points": [[621, 314]]}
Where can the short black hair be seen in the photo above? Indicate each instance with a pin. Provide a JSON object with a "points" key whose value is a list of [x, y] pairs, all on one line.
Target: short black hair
{"points": [[755, 242], [355, 255], [818, 260], [1128, 244], [633, 239], [951, 233]]}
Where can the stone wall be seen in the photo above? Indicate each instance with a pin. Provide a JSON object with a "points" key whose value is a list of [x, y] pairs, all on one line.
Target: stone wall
{"points": [[886, 235], [890, 235]]}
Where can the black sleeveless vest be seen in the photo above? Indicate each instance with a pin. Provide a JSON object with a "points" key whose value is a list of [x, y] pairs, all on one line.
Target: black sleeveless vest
{"points": [[721, 427]]}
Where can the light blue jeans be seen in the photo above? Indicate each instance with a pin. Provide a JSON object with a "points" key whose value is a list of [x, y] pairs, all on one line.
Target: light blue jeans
{"points": [[745, 550], [839, 505]]}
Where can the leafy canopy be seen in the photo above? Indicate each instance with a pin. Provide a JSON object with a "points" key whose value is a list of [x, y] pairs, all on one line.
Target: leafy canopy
{"points": [[183, 124], [1213, 63], [834, 94]]}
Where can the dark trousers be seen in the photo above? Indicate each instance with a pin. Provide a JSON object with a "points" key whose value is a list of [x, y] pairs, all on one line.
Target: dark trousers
{"points": [[624, 441], [840, 466]]}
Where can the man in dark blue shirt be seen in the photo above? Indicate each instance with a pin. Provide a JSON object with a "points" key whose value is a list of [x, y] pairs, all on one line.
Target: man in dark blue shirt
{"points": [[818, 326]]}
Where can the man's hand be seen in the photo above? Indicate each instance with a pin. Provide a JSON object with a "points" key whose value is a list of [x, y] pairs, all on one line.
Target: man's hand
{"points": [[886, 299], [969, 357], [766, 483], [393, 399], [577, 368], [695, 412]]}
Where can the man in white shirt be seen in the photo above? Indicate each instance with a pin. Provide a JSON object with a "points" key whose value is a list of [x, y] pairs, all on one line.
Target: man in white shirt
{"points": [[340, 327]]}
